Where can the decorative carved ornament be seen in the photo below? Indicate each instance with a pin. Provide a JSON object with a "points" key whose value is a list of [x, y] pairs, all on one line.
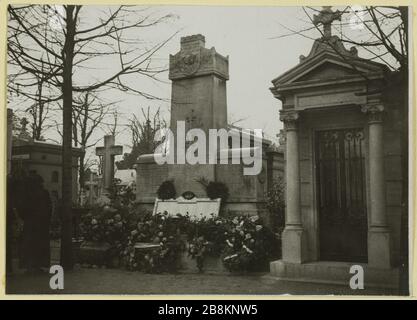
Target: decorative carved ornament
{"points": [[290, 119], [188, 63], [198, 61], [374, 112], [281, 137]]}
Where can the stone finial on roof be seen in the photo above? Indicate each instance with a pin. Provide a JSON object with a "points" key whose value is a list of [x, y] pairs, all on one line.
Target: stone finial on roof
{"points": [[193, 42], [326, 18]]}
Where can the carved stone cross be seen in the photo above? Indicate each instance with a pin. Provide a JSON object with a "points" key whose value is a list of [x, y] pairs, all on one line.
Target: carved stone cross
{"points": [[191, 120], [326, 18], [91, 185], [108, 152]]}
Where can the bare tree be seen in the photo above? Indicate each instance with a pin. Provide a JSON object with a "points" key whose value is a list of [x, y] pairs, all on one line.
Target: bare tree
{"points": [[112, 127], [39, 111], [88, 115], [61, 51], [383, 32], [143, 130]]}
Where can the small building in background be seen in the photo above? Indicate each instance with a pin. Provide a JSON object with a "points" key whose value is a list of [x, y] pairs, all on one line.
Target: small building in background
{"points": [[45, 159]]}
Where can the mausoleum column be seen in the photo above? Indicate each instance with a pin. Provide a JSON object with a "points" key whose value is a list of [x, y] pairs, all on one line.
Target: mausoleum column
{"points": [[292, 173], [379, 251], [293, 237]]}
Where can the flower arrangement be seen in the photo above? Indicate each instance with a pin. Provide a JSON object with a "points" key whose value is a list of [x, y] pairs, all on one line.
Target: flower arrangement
{"points": [[242, 242], [161, 230], [249, 246], [197, 250], [275, 202]]}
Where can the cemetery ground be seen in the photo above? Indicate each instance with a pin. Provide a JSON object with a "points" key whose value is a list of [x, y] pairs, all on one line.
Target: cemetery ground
{"points": [[117, 282]]}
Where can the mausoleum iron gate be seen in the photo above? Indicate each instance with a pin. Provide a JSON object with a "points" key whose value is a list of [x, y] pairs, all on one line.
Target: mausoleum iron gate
{"points": [[341, 196]]}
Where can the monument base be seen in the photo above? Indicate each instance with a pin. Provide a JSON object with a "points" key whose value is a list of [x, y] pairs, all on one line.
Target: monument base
{"points": [[196, 208], [294, 244], [379, 248], [103, 200], [228, 209], [332, 272]]}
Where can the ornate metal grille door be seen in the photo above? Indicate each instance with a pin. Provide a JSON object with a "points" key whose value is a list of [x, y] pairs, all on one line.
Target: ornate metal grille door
{"points": [[340, 176]]}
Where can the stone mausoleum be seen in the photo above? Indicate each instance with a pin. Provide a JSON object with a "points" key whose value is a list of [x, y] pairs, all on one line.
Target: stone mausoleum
{"points": [[45, 159], [343, 166], [199, 98]]}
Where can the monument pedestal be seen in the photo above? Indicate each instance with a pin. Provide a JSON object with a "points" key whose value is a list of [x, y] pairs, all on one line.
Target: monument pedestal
{"points": [[294, 244], [379, 247], [195, 208]]}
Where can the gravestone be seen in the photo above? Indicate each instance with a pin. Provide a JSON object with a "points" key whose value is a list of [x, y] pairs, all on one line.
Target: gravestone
{"points": [[92, 184], [196, 208], [102, 253], [108, 152]]}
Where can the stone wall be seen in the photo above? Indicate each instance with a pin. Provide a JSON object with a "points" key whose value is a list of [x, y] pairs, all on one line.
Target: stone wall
{"points": [[149, 176]]}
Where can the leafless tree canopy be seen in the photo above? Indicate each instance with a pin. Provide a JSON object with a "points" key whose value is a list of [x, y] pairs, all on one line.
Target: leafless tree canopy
{"points": [[143, 128], [57, 48], [383, 31]]}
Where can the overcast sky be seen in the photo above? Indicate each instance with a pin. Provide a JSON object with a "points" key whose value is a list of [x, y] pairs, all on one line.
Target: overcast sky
{"points": [[246, 35]]}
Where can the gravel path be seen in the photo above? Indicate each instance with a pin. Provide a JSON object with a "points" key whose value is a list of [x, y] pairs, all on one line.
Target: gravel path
{"points": [[113, 281]]}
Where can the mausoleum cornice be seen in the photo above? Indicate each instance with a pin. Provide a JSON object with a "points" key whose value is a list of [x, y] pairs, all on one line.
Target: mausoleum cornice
{"points": [[348, 68], [43, 147]]}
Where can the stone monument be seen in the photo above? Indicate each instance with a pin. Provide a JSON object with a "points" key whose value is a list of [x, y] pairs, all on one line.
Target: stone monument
{"points": [[199, 101], [343, 165], [108, 152], [92, 185]]}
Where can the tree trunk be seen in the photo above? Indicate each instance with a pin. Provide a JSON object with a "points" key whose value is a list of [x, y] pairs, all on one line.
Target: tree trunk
{"points": [[404, 234], [67, 261], [81, 169]]}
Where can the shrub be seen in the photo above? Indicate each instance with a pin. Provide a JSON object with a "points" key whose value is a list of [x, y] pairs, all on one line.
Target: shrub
{"points": [[167, 190], [275, 202], [217, 190]]}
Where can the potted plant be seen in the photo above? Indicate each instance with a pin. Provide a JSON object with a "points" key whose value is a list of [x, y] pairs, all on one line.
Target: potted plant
{"points": [[167, 190]]}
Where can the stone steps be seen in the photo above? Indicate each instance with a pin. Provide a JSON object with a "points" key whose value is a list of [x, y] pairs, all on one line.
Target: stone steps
{"points": [[331, 272]]}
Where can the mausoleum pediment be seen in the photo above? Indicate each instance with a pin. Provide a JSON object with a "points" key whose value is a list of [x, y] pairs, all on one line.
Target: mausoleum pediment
{"points": [[325, 71], [327, 65]]}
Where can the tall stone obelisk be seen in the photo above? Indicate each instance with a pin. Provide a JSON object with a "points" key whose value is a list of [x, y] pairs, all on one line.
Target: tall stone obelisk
{"points": [[199, 78]]}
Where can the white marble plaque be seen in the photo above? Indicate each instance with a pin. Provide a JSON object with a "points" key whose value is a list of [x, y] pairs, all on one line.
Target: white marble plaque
{"points": [[197, 208]]}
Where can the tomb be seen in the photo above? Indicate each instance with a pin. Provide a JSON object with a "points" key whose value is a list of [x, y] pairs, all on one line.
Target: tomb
{"points": [[45, 159], [199, 77], [107, 152], [343, 166], [196, 208]]}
